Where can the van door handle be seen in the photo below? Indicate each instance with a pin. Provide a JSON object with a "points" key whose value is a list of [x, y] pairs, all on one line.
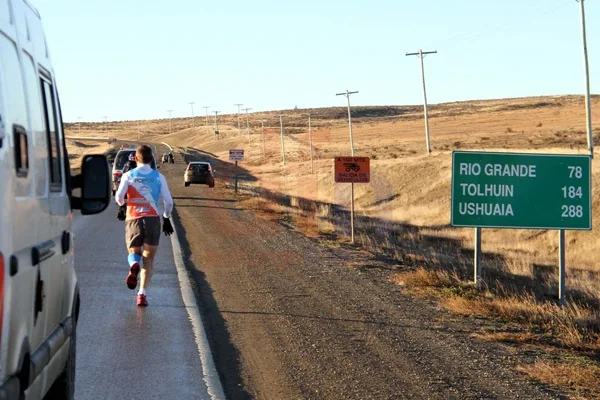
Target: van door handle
{"points": [[65, 242], [42, 251]]}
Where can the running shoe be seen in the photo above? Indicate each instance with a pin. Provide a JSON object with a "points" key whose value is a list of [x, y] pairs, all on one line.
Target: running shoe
{"points": [[141, 300], [132, 278]]}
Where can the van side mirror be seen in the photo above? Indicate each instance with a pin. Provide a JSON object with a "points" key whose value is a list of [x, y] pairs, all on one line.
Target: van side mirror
{"points": [[94, 182]]}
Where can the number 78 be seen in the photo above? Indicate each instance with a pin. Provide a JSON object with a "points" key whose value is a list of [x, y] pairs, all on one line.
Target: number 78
{"points": [[576, 172]]}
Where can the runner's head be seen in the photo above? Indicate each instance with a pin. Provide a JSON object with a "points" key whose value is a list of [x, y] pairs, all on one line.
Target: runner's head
{"points": [[143, 154]]}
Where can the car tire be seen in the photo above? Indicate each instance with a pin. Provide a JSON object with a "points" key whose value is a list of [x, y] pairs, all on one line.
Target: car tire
{"points": [[64, 387], [186, 184], [114, 192]]}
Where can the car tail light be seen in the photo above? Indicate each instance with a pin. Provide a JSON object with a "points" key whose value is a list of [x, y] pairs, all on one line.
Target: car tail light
{"points": [[117, 173], [1, 291]]}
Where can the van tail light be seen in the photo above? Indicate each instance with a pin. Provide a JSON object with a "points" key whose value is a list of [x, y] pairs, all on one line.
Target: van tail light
{"points": [[2, 271]]}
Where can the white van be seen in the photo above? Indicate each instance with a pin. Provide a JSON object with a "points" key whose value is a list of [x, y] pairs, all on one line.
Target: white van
{"points": [[39, 298]]}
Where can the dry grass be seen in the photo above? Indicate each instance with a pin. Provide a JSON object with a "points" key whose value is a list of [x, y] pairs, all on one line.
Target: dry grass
{"points": [[425, 278], [571, 326], [78, 148], [582, 377]]}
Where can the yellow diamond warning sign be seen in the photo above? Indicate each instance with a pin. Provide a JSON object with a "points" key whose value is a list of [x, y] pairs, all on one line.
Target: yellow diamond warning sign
{"points": [[352, 170]]}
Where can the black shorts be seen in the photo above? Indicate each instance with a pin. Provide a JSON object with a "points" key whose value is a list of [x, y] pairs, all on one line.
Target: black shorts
{"points": [[145, 230]]}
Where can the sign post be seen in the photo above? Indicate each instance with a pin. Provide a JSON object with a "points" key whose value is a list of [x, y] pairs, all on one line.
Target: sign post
{"points": [[529, 191], [236, 155], [352, 170]]}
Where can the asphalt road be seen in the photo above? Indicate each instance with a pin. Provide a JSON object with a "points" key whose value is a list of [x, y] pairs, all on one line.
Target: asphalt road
{"points": [[124, 351]]}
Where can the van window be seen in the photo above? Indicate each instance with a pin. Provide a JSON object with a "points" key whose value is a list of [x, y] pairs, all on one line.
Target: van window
{"points": [[52, 135], [38, 143], [11, 83], [21, 151]]}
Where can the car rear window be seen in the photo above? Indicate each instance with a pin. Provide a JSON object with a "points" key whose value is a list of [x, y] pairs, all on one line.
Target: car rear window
{"points": [[200, 167], [122, 158]]}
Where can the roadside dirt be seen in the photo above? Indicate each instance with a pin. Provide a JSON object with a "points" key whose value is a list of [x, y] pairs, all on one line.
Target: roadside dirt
{"points": [[289, 317]]}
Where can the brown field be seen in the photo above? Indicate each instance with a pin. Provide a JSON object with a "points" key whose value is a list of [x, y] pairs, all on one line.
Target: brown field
{"points": [[78, 148], [404, 213]]}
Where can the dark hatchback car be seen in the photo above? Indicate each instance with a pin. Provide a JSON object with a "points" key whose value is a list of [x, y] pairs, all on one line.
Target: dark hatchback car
{"points": [[199, 172]]}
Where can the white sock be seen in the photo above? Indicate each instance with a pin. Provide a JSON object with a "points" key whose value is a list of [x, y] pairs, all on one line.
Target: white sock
{"points": [[142, 291]]}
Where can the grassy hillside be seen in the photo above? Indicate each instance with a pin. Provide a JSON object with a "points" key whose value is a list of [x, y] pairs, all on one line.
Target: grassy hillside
{"points": [[408, 186]]}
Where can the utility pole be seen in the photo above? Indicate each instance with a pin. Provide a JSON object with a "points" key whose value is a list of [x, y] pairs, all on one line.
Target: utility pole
{"points": [[588, 110], [216, 124], [238, 117], [562, 268], [170, 122], [79, 118], [422, 54], [312, 168], [282, 140], [262, 135], [192, 105], [206, 109], [247, 123], [347, 94]]}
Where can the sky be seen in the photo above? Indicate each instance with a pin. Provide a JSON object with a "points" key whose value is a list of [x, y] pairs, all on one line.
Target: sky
{"points": [[130, 60]]}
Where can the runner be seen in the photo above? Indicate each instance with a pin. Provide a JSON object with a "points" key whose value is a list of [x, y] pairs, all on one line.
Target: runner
{"points": [[143, 187]]}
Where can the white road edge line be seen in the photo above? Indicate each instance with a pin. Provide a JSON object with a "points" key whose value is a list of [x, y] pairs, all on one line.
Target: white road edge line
{"points": [[170, 148], [211, 377]]}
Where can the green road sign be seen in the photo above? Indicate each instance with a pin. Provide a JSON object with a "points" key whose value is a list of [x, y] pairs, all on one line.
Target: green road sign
{"points": [[508, 190]]}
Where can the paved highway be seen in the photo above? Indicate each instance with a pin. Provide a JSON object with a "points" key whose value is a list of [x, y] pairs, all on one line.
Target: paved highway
{"points": [[124, 351]]}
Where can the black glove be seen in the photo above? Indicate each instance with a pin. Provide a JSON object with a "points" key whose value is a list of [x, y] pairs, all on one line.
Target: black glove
{"points": [[167, 227], [122, 212]]}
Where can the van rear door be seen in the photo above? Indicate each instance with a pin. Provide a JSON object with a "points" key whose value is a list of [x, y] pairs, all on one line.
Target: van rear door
{"points": [[58, 266]]}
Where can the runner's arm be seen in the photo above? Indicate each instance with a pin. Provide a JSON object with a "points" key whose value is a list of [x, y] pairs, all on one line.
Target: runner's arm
{"points": [[122, 190], [166, 196]]}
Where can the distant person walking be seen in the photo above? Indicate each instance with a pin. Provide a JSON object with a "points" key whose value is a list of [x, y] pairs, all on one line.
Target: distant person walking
{"points": [[143, 187]]}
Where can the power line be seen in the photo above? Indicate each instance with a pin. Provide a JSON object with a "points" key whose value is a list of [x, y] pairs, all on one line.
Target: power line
{"points": [[170, 122], [588, 112], [347, 94], [206, 109], [216, 124], [247, 123], [238, 117], [192, 105], [421, 54]]}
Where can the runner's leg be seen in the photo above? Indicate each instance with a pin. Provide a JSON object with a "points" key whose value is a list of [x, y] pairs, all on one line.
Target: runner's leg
{"points": [[148, 265]]}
